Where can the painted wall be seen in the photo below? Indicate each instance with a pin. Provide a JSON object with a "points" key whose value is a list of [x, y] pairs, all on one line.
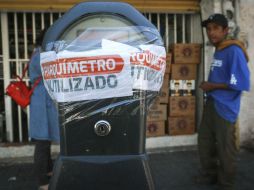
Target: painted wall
{"points": [[245, 22], [244, 15]]}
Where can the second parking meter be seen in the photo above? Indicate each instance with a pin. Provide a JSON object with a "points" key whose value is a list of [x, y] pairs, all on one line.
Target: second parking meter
{"points": [[103, 63]]}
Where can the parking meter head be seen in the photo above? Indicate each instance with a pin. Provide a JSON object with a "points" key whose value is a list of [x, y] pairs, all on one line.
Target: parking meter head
{"points": [[103, 61]]}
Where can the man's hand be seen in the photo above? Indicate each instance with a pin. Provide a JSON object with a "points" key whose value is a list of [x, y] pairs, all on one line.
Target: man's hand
{"points": [[208, 86]]}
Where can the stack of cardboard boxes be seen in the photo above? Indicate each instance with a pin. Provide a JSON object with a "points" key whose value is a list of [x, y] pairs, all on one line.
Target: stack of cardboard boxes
{"points": [[157, 111], [177, 94]]}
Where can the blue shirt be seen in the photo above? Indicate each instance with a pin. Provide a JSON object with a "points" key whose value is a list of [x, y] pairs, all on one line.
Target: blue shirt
{"points": [[229, 67], [43, 113]]}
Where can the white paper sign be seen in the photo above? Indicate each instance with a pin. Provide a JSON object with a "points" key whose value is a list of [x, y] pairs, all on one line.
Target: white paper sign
{"points": [[148, 67], [112, 71], [75, 76], [148, 64]]}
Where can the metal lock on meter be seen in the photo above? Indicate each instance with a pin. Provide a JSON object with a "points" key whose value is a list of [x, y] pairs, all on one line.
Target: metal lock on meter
{"points": [[102, 128]]}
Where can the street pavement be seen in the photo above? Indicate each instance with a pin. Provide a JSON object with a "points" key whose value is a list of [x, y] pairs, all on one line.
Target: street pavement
{"points": [[171, 171]]}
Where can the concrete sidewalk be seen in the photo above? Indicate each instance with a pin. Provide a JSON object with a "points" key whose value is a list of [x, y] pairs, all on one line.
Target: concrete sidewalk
{"points": [[171, 171], [14, 150]]}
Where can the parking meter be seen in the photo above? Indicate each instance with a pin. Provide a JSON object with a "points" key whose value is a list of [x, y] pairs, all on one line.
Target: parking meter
{"points": [[103, 63]]}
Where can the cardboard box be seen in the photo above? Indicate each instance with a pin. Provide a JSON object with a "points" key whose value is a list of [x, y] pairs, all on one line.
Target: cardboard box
{"points": [[157, 112], [168, 62], [184, 71], [182, 106], [186, 53], [181, 125], [155, 128], [164, 92], [164, 95]]}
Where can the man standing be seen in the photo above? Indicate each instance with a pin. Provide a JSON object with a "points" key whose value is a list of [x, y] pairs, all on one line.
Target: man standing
{"points": [[228, 77]]}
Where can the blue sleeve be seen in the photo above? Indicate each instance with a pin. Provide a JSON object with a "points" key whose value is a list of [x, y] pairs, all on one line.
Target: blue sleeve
{"points": [[239, 72], [34, 66]]}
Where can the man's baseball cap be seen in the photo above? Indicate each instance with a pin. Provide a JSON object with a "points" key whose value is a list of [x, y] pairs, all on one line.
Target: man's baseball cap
{"points": [[216, 18]]}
